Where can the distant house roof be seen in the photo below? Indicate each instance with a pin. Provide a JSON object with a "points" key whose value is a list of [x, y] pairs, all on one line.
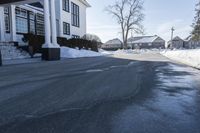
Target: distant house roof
{"points": [[188, 38], [144, 39], [177, 38], [114, 41]]}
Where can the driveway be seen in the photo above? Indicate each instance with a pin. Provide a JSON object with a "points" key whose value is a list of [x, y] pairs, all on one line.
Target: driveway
{"points": [[144, 93]]}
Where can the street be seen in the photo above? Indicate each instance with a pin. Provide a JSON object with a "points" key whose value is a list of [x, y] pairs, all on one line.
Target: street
{"points": [[144, 93]]}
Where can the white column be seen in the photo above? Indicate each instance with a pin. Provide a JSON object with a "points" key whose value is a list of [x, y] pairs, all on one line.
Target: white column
{"points": [[47, 25], [13, 23], [53, 24], [2, 25]]}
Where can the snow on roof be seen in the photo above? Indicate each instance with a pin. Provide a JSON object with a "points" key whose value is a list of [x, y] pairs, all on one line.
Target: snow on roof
{"points": [[114, 41], [177, 38], [143, 39]]}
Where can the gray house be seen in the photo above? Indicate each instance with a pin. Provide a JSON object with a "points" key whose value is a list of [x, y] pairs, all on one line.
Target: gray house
{"points": [[146, 42], [113, 44], [176, 43], [189, 43]]}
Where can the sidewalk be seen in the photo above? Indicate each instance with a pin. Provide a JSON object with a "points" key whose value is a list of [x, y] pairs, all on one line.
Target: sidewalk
{"points": [[20, 61]]}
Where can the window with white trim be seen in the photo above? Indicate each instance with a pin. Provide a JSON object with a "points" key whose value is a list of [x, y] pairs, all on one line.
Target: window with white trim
{"points": [[75, 14], [21, 20], [39, 24], [7, 19], [75, 36], [66, 5], [66, 28]]}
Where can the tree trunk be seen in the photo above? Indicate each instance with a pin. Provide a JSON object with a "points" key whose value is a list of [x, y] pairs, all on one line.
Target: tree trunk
{"points": [[125, 44]]}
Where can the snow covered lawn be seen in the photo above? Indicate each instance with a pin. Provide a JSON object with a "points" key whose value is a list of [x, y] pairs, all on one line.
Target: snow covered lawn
{"points": [[75, 53], [188, 57]]}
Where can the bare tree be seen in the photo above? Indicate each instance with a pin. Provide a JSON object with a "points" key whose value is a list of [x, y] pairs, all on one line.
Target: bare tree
{"points": [[128, 14]]}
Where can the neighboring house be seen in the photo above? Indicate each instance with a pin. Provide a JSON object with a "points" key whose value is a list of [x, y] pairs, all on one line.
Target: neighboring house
{"points": [[176, 43], [29, 18], [189, 43], [146, 42], [113, 44]]}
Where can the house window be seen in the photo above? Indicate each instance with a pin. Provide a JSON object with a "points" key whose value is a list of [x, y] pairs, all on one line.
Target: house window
{"points": [[66, 28], [31, 23], [7, 19], [40, 24], [21, 20], [66, 5], [75, 15], [75, 36]]}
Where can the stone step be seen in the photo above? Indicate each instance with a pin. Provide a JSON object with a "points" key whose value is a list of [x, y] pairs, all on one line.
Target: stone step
{"points": [[10, 51]]}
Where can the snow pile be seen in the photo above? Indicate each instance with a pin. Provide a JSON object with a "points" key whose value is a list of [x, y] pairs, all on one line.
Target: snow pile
{"points": [[104, 52], [75, 53], [188, 57]]}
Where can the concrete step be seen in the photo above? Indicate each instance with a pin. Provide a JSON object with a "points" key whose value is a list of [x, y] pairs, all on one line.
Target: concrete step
{"points": [[10, 51]]}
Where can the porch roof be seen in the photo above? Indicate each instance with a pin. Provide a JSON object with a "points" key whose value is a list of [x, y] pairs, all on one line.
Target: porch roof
{"points": [[9, 1]]}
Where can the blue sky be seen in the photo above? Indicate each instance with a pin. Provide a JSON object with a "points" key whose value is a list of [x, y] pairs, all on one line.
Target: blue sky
{"points": [[160, 16]]}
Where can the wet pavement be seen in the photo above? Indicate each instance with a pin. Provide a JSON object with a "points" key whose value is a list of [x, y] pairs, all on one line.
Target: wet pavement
{"points": [[141, 94]]}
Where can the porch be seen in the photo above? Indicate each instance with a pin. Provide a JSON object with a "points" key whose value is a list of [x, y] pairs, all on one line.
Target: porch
{"points": [[51, 50]]}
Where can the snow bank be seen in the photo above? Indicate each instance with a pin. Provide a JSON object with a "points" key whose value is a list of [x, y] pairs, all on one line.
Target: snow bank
{"points": [[188, 57], [75, 53]]}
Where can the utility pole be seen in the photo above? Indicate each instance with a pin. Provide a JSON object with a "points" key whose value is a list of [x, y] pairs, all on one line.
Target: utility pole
{"points": [[172, 33]]}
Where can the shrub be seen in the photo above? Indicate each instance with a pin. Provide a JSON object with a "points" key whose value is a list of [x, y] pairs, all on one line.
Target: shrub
{"points": [[35, 43]]}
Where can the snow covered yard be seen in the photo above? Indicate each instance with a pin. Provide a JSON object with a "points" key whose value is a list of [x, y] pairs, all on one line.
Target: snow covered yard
{"points": [[188, 57], [75, 53], [134, 51]]}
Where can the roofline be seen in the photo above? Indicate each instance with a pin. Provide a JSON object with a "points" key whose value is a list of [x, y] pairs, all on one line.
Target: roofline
{"points": [[17, 2], [85, 3]]}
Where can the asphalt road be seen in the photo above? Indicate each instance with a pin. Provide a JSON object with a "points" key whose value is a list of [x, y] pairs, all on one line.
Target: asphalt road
{"points": [[131, 94]]}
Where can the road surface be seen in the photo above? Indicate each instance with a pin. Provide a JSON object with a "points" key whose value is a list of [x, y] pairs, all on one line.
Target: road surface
{"points": [[144, 93]]}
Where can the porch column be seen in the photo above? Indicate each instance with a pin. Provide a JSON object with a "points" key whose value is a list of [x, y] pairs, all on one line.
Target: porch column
{"points": [[50, 52], [53, 24], [47, 27], [13, 23], [2, 25]]}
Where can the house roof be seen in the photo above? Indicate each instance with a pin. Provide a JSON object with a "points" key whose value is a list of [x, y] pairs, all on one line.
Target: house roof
{"points": [[85, 3], [177, 38], [114, 41], [14, 1], [37, 4], [9, 1], [143, 39]]}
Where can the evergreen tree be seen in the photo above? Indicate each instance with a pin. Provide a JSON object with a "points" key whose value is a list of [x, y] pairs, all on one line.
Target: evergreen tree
{"points": [[196, 24]]}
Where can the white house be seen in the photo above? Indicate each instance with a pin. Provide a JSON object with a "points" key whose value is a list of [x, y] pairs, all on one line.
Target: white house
{"points": [[51, 18], [29, 18]]}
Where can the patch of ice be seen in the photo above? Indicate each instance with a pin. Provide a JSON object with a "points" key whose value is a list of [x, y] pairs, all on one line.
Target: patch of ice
{"points": [[94, 70]]}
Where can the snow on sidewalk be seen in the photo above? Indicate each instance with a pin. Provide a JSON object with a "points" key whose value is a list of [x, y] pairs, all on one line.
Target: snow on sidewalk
{"points": [[75, 53], [188, 57]]}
